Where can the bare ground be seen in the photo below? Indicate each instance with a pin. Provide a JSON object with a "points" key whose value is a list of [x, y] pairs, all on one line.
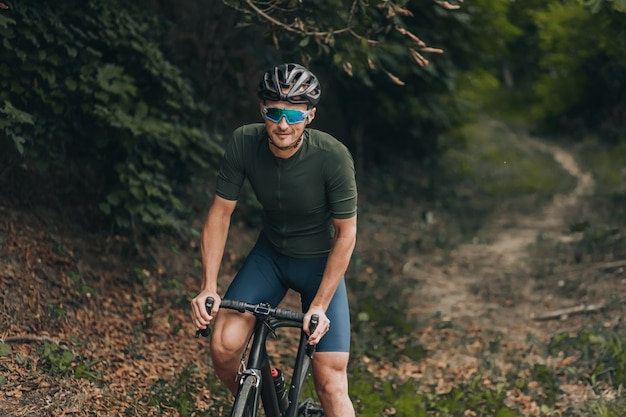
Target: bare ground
{"points": [[489, 291], [125, 317]]}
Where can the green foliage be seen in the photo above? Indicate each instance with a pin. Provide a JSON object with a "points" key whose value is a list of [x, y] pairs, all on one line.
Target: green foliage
{"points": [[602, 353], [600, 242], [382, 329], [603, 242], [5, 350], [486, 36], [221, 397], [361, 37], [406, 399], [558, 64], [147, 311], [175, 393], [369, 56], [604, 408], [85, 86], [596, 5], [179, 391], [476, 87], [60, 361], [13, 123], [563, 80], [497, 164], [80, 285], [569, 78], [607, 164], [387, 329], [546, 377]]}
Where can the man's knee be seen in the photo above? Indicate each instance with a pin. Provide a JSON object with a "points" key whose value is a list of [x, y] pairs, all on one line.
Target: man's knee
{"points": [[230, 334], [330, 373]]}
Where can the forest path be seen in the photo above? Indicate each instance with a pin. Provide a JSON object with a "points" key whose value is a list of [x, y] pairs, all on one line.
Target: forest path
{"points": [[453, 294], [484, 298]]}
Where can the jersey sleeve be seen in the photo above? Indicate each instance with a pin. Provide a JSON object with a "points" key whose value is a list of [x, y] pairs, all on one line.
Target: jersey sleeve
{"points": [[341, 189], [232, 169]]}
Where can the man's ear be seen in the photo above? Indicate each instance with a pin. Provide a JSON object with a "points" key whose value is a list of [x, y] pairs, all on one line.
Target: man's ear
{"points": [[311, 115]]}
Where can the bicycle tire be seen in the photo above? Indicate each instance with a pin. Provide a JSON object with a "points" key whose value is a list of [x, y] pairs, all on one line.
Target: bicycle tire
{"points": [[246, 402]]}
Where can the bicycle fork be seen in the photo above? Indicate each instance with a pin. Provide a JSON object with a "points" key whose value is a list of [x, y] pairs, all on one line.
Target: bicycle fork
{"points": [[259, 369]]}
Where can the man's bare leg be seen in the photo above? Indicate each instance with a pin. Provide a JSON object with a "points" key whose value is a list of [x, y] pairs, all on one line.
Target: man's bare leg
{"points": [[230, 335], [331, 383]]}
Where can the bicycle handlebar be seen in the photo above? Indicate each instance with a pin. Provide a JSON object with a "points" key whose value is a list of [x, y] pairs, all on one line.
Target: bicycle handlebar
{"points": [[261, 309]]}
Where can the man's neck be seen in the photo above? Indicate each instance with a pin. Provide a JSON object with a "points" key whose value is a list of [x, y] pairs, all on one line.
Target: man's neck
{"points": [[285, 152]]}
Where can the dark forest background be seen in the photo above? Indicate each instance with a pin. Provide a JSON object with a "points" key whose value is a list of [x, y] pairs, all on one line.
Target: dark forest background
{"points": [[490, 144], [119, 110]]}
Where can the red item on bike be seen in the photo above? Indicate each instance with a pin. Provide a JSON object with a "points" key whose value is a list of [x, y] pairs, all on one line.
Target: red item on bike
{"points": [[279, 384]]}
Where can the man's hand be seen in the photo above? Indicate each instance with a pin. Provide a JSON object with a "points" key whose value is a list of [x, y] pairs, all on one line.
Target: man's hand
{"points": [[322, 327], [200, 317]]}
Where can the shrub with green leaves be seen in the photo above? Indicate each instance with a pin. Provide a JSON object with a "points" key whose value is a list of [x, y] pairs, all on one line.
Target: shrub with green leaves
{"points": [[578, 71], [84, 86], [61, 361]]}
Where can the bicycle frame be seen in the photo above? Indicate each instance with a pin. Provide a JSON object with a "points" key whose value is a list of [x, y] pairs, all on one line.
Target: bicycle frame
{"points": [[259, 366], [258, 371]]}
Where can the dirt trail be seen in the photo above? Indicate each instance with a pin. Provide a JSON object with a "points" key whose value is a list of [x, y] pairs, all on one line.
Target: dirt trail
{"points": [[452, 290], [486, 292]]}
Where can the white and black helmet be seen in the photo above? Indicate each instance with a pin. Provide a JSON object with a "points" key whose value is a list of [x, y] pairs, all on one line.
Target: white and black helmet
{"points": [[290, 82]]}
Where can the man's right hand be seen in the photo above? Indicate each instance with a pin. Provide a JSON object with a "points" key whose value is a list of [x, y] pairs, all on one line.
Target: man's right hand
{"points": [[200, 317]]}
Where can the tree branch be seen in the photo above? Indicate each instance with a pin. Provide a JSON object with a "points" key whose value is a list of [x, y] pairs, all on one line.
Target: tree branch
{"points": [[293, 26], [566, 312], [297, 26], [29, 339]]}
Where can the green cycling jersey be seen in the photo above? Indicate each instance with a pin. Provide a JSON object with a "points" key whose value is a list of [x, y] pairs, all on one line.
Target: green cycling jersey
{"points": [[299, 195]]}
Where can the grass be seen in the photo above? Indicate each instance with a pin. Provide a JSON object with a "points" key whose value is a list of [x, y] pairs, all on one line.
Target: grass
{"points": [[493, 167], [498, 162], [608, 163], [391, 398]]}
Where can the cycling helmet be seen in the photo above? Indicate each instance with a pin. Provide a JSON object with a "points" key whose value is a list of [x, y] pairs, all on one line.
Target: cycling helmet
{"points": [[290, 82]]}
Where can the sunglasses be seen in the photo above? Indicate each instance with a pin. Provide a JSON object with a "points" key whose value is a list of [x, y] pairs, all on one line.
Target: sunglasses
{"points": [[292, 116]]}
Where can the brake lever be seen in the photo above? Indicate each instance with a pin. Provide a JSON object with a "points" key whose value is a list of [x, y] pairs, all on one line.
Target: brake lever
{"points": [[310, 349], [315, 319], [206, 332]]}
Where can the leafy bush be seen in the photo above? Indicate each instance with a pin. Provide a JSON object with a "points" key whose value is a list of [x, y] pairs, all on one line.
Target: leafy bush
{"points": [[85, 86], [60, 361], [576, 72]]}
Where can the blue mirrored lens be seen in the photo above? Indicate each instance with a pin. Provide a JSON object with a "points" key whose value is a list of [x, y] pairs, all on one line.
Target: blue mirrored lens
{"points": [[292, 116]]}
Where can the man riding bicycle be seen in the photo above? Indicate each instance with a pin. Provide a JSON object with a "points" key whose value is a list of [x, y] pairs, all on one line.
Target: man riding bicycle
{"points": [[305, 181]]}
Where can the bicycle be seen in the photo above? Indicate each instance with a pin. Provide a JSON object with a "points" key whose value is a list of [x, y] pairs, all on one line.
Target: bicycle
{"points": [[257, 376]]}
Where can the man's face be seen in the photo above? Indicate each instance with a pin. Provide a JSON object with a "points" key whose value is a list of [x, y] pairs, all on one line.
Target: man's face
{"points": [[282, 133]]}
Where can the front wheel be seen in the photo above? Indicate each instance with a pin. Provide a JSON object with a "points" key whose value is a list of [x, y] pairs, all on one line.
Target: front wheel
{"points": [[246, 402]]}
